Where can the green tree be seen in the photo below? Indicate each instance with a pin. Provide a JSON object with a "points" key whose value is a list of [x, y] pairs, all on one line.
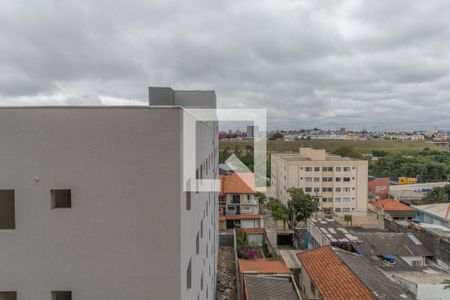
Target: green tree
{"points": [[279, 210], [223, 155], [426, 166], [379, 153], [276, 136], [348, 219], [300, 207], [261, 200], [446, 283], [438, 195], [347, 151]]}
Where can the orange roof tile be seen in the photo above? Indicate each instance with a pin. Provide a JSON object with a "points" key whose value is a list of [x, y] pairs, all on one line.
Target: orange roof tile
{"points": [[390, 204], [238, 183], [263, 266], [332, 278]]}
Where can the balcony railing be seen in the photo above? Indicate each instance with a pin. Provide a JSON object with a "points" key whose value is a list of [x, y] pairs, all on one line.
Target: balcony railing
{"points": [[252, 202]]}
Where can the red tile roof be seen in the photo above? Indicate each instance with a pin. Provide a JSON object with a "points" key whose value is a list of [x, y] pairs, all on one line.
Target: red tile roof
{"points": [[390, 204], [238, 183], [331, 277], [263, 266]]}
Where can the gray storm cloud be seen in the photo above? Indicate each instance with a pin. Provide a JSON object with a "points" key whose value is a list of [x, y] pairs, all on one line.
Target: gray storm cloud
{"points": [[373, 64]]}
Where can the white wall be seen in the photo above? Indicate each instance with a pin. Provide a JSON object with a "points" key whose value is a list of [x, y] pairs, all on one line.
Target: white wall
{"points": [[409, 259], [204, 208], [257, 238], [123, 238]]}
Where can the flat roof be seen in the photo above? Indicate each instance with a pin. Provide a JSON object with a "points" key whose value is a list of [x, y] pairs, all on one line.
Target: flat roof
{"points": [[290, 258], [298, 157], [334, 231], [441, 210], [390, 243]]}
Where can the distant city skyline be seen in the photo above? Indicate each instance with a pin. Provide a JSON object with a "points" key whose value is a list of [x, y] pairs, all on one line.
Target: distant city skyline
{"points": [[374, 128]]}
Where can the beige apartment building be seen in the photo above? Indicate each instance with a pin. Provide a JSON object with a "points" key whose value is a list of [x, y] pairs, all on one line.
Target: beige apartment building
{"points": [[338, 183]]}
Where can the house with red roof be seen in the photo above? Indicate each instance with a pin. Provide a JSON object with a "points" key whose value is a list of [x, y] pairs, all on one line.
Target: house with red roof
{"points": [[266, 279], [238, 205], [328, 273], [395, 209]]}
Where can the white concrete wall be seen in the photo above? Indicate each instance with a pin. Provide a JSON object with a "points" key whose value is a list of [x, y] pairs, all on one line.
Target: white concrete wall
{"points": [[257, 238], [305, 285], [409, 260], [251, 223], [204, 210], [126, 235]]}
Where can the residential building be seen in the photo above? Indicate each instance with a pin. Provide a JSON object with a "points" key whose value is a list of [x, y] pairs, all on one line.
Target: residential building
{"points": [[381, 286], [269, 287], [437, 213], [379, 187], [252, 131], [93, 204], [435, 237], [392, 208], [238, 204], [323, 232], [332, 273], [408, 197], [338, 183], [324, 276], [402, 249], [255, 236], [399, 136], [266, 279]]}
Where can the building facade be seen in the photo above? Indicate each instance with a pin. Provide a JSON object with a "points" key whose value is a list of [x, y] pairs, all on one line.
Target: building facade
{"points": [[379, 187], [94, 206], [338, 183], [238, 204], [437, 214]]}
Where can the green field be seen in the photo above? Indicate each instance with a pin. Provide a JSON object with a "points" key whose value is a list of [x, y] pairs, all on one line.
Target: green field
{"points": [[362, 147]]}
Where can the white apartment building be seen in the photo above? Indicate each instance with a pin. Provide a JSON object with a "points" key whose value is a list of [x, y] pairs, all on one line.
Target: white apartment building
{"points": [[338, 183], [92, 204]]}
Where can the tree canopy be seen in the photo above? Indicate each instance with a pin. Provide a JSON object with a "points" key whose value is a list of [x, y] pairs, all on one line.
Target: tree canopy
{"points": [[438, 195], [276, 136], [299, 208], [347, 151], [426, 166]]}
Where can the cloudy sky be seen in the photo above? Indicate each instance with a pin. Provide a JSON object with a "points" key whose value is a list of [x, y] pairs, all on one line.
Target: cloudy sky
{"points": [[373, 64]]}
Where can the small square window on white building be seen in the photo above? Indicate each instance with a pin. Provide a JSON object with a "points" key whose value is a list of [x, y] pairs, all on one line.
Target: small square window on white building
{"points": [[61, 198], [8, 295], [7, 210], [61, 295], [189, 275]]}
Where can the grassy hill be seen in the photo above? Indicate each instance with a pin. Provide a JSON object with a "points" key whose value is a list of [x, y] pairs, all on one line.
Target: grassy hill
{"points": [[362, 147]]}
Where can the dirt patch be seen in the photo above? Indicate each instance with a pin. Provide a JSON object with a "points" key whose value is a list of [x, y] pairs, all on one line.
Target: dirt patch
{"points": [[226, 274]]}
